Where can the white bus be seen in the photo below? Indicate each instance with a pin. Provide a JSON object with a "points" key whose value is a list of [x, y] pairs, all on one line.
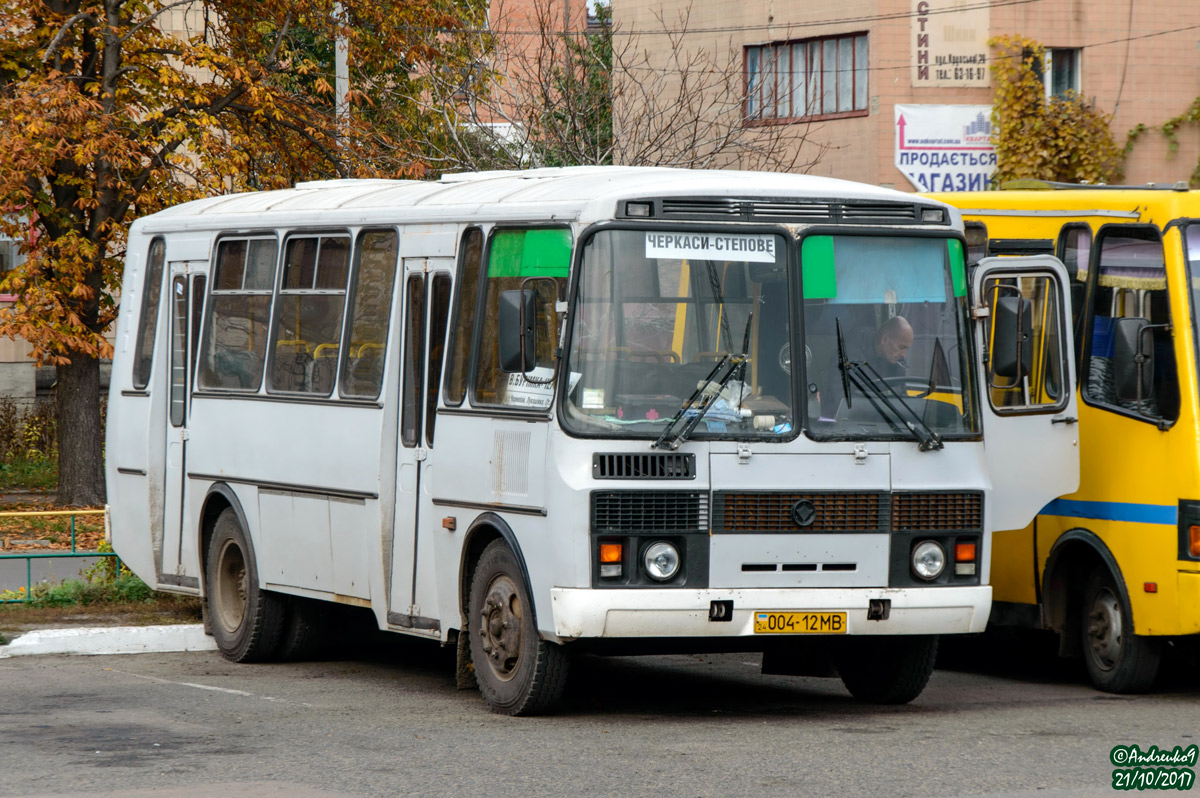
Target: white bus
{"points": [[590, 409]]}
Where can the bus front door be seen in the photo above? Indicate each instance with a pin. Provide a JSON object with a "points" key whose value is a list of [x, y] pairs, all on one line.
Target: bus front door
{"points": [[1025, 345], [426, 303]]}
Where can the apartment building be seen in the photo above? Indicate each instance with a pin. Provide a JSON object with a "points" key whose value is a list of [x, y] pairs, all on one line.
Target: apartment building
{"points": [[899, 91]]}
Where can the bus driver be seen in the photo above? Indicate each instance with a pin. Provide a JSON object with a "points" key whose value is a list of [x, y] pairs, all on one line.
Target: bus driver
{"points": [[890, 346]]}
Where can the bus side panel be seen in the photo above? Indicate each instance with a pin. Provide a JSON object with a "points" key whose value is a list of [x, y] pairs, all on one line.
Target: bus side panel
{"points": [[507, 465], [499, 466], [1189, 600], [302, 455], [1013, 567]]}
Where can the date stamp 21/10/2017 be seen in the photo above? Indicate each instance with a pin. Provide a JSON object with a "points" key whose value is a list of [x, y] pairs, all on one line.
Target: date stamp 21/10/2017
{"points": [[1154, 768]]}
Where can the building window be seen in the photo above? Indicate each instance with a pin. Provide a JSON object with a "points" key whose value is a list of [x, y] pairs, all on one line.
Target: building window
{"points": [[1060, 71], [806, 79], [10, 255]]}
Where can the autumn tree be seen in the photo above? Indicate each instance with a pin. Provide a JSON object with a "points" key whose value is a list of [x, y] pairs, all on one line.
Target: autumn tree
{"points": [[114, 109], [1059, 138], [562, 95]]}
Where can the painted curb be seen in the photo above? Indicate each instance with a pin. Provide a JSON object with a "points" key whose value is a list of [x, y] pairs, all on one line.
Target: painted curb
{"points": [[111, 640]]}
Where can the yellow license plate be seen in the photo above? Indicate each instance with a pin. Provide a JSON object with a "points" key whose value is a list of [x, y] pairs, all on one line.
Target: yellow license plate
{"points": [[797, 623]]}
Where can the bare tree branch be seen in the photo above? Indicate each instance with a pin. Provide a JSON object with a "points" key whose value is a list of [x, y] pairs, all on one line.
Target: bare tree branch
{"points": [[62, 34], [572, 97]]}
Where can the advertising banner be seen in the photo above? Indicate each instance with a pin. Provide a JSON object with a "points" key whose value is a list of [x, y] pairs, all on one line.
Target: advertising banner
{"points": [[945, 147]]}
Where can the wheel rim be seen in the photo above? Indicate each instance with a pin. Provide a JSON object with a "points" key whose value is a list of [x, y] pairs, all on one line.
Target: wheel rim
{"points": [[1104, 629], [231, 587], [501, 627]]}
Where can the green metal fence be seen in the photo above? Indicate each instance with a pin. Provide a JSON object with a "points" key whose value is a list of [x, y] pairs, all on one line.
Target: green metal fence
{"points": [[29, 557]]}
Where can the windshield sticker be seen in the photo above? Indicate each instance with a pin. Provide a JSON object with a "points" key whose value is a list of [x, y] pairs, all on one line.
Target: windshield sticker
{"points": [[711, 246], [523, 393], [593, 399]]}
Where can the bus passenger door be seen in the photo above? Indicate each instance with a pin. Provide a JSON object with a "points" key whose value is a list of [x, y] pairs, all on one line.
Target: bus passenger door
{"points": [[185, 300], [1025, 346], [412, 599]]}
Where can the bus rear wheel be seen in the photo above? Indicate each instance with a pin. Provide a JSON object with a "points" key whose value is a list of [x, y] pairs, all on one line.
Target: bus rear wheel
{"points": [[886, 670], [1118, 661], [518, 672], [247, 621]]}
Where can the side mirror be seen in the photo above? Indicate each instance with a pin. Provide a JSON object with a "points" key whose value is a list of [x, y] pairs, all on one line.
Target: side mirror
{"points": [[518, 331], [1133, 359], [1012, 337]]}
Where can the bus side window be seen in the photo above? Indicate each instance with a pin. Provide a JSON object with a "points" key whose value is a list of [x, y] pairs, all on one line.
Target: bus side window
{"points": [[1192, 243], [143, 359], [1130, 282], [234, 347], [514, 257], [977, 243], [413, 361], [308, 316], [462, 333], [439, 315], [1074, 249], [370, 310]]}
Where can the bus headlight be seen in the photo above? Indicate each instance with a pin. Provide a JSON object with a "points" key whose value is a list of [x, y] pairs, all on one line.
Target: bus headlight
{"points": [[661, 560], [928, 559]]}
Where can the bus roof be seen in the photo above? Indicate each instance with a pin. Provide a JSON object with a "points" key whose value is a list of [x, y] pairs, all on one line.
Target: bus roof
{"points": [[582, 193], [1156, 203]]}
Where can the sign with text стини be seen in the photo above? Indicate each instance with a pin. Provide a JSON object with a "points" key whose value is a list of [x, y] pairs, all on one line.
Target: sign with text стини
{"points": [[945, 147], [949, 44]]}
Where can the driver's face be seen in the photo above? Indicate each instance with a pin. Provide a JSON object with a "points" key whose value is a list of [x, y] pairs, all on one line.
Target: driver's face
{"points": [[894, 347]]}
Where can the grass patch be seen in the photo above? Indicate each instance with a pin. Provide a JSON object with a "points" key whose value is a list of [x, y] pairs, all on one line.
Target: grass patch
{"points": [[125, 589], [100, 585], [35, 473]]}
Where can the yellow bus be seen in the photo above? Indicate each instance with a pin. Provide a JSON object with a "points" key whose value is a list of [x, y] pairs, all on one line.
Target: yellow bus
{"points": [[1114, 568]]}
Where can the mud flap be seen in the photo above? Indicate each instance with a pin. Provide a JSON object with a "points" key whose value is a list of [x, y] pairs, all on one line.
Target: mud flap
{"points": [[464, 669]]}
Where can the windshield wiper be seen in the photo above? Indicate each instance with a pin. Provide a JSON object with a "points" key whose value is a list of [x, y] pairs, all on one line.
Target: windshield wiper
{"points": [[693, 410], [881, 394]]}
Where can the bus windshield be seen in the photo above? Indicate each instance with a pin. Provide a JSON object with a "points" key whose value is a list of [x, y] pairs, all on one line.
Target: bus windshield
{"points": [[662, 314], [885, 327]]}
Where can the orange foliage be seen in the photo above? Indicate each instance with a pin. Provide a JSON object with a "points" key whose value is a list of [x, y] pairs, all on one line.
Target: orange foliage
{"points": [[108, 117]]}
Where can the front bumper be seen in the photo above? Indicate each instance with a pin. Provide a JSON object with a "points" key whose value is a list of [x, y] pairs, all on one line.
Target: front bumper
{"points": [[583, 613]]}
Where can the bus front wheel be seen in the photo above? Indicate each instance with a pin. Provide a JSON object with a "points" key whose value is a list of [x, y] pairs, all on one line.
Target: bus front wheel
{"points": [[886, 670], [518, 672], [1118, 661], [247, 621]]}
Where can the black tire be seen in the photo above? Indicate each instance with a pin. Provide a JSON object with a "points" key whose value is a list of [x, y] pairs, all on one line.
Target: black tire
{"points": [[1118, 661], [886, 670], [304, 629], [518, 672], [247, 621]]}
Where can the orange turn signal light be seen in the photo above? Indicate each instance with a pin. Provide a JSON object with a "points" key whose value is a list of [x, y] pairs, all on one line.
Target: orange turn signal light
{"points": [[1194, 540], [610, 552], [964, 552]]}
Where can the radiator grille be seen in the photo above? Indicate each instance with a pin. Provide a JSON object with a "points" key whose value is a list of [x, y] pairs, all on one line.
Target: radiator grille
{"points": [[649, 511], [659, 465], [848, 511], [928, 511], [772, 512]]}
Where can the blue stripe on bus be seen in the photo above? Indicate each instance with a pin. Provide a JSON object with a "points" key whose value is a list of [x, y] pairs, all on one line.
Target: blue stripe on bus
{"points": [[1114, 511]]}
